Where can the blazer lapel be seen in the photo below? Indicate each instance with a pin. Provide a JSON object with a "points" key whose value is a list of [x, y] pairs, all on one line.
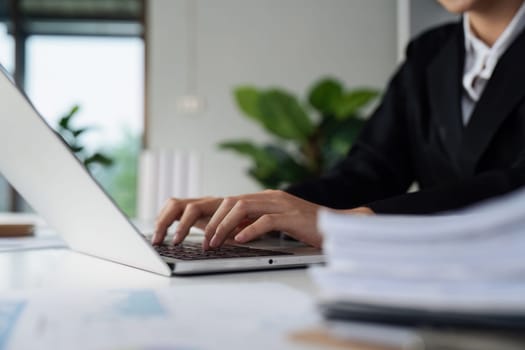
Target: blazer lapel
{"points": [[504, 90], [444, 86]]}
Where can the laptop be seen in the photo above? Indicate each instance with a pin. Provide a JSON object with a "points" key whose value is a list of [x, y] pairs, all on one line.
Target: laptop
{"points": [[40, 166]]}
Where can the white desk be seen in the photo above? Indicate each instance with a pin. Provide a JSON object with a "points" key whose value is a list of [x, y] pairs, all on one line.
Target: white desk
{"points": [[50, 270], [59, 270], [62, 268]]}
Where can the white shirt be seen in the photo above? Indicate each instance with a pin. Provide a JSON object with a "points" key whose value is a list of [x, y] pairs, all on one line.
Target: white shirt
{"points": [[480, 60]]}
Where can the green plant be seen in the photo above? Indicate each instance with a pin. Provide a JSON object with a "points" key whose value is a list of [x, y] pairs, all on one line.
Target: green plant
{"points": [[72, 136], [120, 180], [303, 146]]}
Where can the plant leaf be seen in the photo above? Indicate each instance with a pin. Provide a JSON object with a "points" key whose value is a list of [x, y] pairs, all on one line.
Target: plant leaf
{"points": [[264, 162], [76, 149], [264, 165], [247, 98], [272, 166], [64, 121], [283, 116], [80, 131], [73, 110], [325, 94], [98, 158], [339, 136], [288, 170], [351, 102]]}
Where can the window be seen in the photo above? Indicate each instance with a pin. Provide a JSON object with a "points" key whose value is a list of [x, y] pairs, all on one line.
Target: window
{"points": [[90, 54], [7, 61], [7, 46]]}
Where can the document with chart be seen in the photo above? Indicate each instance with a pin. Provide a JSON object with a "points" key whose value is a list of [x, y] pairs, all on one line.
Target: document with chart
{"points": [[186, 317]]}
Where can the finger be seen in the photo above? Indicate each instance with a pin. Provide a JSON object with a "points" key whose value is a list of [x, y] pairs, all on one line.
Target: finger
{"points": [[171, 212], [278, 197], [262, 225], [266, 194], [300, 226], [224, 208], [205, 244], [233, 218], [238, 215], [193, 213]]}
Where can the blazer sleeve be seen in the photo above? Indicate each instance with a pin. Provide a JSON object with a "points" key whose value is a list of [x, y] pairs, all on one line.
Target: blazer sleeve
{"points": [[454, 195], [378, 165]]}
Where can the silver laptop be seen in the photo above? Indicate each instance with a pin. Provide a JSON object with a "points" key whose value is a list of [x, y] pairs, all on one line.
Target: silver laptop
{"points": [[36, 161]]}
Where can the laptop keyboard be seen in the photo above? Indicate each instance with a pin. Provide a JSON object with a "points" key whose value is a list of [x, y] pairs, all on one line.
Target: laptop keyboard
{"points": [[193, 251]]}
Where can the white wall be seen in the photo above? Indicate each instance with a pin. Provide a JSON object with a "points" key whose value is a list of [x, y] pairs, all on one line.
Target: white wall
{"points": [[288, 43], [416, 16], [425, 14]]}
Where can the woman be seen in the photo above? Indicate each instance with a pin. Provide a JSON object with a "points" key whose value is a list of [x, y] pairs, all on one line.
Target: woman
{"points": [[452, 120]]}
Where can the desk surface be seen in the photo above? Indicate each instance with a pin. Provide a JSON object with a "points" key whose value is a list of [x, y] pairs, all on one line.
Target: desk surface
{"points": [[62, 268], [59, 270], [52, 270]]}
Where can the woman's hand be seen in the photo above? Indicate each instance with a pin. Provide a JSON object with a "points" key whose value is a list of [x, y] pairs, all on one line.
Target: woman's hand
{"points": [[190, 212], [243, 218], [247, 217], [356, 211]]}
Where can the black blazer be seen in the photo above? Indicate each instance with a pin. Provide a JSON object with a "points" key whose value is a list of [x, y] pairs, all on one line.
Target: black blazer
{"points": [[416, 134]]}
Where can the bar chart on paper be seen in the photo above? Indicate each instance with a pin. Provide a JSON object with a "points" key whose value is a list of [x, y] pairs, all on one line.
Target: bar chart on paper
{"points": [[9, 312], [111, 320], [160, 319]]}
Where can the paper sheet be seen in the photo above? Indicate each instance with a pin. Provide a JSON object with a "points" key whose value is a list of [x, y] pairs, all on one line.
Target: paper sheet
{"points": [[28, 243], [492, 218], [471, 260], [459, 296], [225, 316]]}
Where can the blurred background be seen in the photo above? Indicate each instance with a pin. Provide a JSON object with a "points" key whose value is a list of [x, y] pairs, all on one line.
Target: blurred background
{"points": [[117, 77]]}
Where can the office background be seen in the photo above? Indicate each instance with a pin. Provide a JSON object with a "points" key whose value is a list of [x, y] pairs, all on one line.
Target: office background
{"points": [[153, 60]]}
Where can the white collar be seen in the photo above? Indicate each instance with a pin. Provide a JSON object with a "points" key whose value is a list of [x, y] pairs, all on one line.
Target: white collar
{"points": [[481, 60], [475, 46]]}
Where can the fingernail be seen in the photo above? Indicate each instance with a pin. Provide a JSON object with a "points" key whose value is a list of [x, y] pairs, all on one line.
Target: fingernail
{"points": [[157, 238], [239, 238], [176, 237], [214, 242]]}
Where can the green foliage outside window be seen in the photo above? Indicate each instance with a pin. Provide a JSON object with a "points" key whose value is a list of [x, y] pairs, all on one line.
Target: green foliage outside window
{"points": [[121, 179], [115, 168], [73, 137]]}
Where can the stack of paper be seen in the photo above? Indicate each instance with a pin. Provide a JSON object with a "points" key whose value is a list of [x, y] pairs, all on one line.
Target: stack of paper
{"points": [[470, 262]]}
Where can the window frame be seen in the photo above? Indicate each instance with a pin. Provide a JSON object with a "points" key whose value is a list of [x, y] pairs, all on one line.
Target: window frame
{"points": [[21, 30]]}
